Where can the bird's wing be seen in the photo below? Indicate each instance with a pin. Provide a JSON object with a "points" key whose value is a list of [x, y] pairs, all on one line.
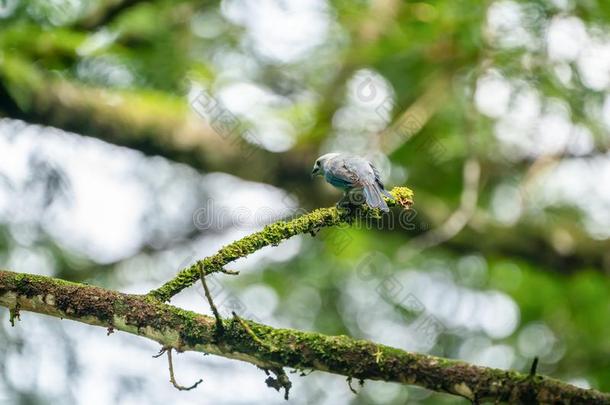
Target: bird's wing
{"points": [[377, 176], [379, 182], [360, 171], [340, 174]]}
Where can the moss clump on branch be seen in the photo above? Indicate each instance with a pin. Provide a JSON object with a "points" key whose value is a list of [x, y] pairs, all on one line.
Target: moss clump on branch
{"points": [[272, 235]]}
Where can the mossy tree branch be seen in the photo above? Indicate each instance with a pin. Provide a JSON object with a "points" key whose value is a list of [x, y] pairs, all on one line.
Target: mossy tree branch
{"points": [[271, 235], [185, 330]]}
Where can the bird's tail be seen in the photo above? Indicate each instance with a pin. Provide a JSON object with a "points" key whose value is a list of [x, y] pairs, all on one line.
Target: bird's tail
{"points": [[385, 192], [372, 195]]}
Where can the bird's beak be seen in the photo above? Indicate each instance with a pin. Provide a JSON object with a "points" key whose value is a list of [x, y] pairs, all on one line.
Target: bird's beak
{"points": [[315, 172]]}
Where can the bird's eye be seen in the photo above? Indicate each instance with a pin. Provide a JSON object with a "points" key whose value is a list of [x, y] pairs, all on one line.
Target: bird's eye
{"points": [[317, 163]]}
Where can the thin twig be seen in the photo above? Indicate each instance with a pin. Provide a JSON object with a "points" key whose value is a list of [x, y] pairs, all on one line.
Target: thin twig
{"points": [[349, 384], [534, 367], [251, 333], [161, 352], [14, 314], [219, 326], [172, 379]]}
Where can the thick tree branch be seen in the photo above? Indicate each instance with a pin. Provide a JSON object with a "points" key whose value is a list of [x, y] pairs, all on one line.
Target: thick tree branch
{"points": [[153, 122], [271, 235], [105, 13], [146, 120], [186, 330]]}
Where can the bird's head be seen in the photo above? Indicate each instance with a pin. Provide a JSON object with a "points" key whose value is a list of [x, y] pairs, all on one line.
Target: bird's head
{"points": [[318, 167]]}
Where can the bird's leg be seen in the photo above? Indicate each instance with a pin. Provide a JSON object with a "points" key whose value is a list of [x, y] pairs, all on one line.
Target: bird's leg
{"points": [[356, 197], [344, 202]]}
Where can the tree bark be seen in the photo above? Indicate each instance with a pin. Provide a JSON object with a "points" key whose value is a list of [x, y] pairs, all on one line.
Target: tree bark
{"points": [[272, 348]]}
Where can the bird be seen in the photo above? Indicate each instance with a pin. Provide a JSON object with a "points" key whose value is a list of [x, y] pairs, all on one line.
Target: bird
{"points": [[356, 176]]}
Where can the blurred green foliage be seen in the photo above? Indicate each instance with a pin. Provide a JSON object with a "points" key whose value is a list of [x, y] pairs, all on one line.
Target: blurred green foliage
{"points": [[434, 58]]}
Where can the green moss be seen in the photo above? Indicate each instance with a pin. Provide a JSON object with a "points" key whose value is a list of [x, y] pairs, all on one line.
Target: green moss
{"points": [[272, 235], [276, 348], [70, 298]]}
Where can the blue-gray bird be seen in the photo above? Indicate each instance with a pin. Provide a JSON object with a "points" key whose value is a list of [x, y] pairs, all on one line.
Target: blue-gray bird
{"points": [[352, 173]]}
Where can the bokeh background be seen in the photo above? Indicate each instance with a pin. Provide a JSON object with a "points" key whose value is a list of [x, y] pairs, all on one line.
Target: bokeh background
{"points": [[138, 136]]}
